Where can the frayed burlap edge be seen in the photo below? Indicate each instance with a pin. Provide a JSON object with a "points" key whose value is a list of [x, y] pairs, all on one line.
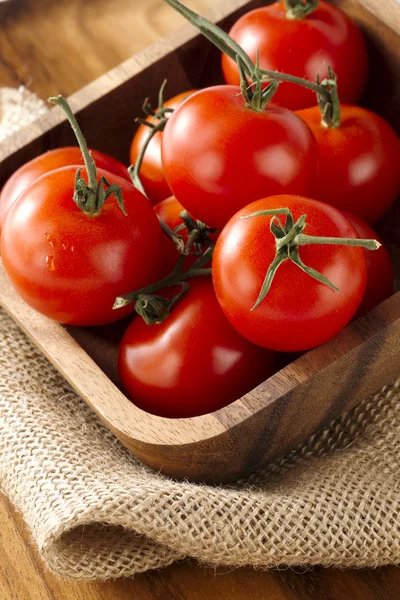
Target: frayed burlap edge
{"points": [[95, 512]]}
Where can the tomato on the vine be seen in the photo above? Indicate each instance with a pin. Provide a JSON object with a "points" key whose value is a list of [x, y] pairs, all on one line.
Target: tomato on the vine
{"points": [[192, 363], [219, 155], [71, 266], [379, 268], [358, 168], [169, 211], [151, 170], [298, 312], [49, 161], [303, 47]]}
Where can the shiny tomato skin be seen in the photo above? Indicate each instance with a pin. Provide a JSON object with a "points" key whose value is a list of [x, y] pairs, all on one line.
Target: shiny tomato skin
{"points": [[302, 47], [194, 362], [298, 312], [358, 169], [151, 171], [379, 268], [70, 266], [219, 155], [49, 161]]}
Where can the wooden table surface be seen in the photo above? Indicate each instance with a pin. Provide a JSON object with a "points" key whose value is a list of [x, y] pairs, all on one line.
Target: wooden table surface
{"points": [[57, 46]]}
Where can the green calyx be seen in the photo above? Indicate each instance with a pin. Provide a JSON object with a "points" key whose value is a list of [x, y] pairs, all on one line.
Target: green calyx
{"points": [[198, 234], [253, 79], [289, 236], [300, 9], [329, 103], [154, 308], [89, 197], [157, 124], [255, 94]]}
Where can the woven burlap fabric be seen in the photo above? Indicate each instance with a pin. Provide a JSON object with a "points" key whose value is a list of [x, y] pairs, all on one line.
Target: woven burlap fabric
{"points": [[18, 107], [95, 512]]}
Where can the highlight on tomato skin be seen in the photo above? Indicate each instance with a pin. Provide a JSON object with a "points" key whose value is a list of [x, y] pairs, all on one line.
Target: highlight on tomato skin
{"points": [[303, 47], [219, 155], [23, 177], [298, 312], [358, 162], [380, 282], [192, 363], [70, 266], [151, 171]]}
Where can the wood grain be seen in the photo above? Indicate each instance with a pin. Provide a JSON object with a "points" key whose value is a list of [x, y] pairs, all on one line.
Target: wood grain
{"points": [[237, 439], [25, 58], [387, 11], [104, 33], [233, 441]]}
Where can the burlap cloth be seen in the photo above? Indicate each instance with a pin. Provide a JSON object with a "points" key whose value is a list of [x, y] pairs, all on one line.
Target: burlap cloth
{"points": [[95, 512]]}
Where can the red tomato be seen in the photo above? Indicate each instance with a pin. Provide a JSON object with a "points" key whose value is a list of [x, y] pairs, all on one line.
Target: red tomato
{"points": [[71, 266], [49, 161], [302, 47], [151, 171], [298, 312], [169, 211], [194, 362], [219, 155], [358, 162], [379, 268]]}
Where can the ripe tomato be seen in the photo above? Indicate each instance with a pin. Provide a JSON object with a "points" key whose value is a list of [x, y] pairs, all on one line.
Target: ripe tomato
{"points": [[169, 211], [49, 161], [151, 171], [379, 268], [71, 266], [298, 312], [219, 155], [302, 47], [358, 162], [194, 362]]}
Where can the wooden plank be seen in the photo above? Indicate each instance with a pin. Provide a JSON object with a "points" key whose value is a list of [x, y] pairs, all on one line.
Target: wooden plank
{"points": [[257, 428], [104, 34], [387, 11]]}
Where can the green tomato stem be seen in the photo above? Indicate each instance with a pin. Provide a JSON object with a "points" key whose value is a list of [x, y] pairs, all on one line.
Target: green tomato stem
{"points": [[155, 309], [303, 240], [89, 162], [247, 69], [288, 239], [299, 9], [275, 76], [329, 105], [176, 277], [89, 197]]}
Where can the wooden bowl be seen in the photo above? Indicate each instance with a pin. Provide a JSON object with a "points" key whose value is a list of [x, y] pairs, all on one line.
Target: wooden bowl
{"points": [[305, 394]]}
